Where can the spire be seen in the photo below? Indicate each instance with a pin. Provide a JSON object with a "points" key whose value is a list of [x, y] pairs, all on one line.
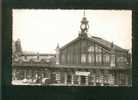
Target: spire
{"points": [[84, 13], [84, 26], [112, 45], [18, 47], [84, 23], [57, 54], [57, 45]]}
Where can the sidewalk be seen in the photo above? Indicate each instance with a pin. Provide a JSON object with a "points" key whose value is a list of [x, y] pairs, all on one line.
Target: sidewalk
{"points": [[20, 82]]}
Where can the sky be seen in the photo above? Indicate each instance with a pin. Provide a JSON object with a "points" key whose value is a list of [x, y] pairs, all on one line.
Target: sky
{"points": [[41, 30]]}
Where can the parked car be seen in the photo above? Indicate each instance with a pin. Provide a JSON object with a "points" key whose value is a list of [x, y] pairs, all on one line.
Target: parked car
{"points": [[25, 80], [46, 81]]}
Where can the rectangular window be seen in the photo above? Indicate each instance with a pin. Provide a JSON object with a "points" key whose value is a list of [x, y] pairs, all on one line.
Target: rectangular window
{"points": [[98, 58], [62, 58], [90, 58], [98, 49], [106, 58], [121, 59], [68, 58], [112, 60], [83, 58], [91, 49]]}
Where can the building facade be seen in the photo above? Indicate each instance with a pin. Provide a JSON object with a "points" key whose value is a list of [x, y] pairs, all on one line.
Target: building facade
{"points": [[85, 61]]}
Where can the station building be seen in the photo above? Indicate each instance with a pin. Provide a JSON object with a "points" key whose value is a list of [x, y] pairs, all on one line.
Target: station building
{"points": [[85, 61]]}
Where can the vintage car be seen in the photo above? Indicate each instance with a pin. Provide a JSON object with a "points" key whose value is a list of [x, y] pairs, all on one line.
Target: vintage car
{"points": [[46, 81]]}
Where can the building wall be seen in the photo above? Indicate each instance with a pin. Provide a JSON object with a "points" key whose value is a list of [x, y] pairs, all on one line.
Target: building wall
{"points": [[82, 52], [86, 52]]}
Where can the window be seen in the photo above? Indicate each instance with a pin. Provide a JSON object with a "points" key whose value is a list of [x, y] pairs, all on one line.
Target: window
{"points": [[91, 58], [98, 49], [91, 49], [83, 58], [106, 58], [68, 58], [112, 60], [98, 58], [121, 59], [62, 58]]}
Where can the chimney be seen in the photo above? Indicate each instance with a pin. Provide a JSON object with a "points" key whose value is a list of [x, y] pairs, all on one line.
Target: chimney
{"points": [[112, 56]]}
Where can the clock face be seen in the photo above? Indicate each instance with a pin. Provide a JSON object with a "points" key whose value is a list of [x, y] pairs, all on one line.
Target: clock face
{"points": [[83, 26]]}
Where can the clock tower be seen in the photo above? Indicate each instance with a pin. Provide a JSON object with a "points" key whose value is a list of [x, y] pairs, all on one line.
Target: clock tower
{"points": [[84, 26]]}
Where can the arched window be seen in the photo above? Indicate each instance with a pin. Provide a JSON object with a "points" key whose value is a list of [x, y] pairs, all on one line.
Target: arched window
{"points": [[91, 48], [98, 49]]}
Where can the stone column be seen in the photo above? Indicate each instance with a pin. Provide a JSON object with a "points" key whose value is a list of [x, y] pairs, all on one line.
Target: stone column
{"points": [[30, 74], [86, 80], [65, 78], [94, 82], [25, 74], [14, 75], [42, 74], [36, 75], [102, 83], [79, 80], [72, 79], [126, 79]]}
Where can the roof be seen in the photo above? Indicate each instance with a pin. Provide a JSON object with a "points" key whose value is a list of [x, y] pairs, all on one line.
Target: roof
{"points": [[99, 40], [40, 54], [107, 43], [47, 65]]}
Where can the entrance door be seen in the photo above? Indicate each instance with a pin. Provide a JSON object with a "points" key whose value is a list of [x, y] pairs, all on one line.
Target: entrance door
{"points": [[53, 78], [83, 80], [69, 79]]}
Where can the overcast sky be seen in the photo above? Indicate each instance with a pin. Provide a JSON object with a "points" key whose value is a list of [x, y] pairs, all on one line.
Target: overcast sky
{"points": [[41, 30]]}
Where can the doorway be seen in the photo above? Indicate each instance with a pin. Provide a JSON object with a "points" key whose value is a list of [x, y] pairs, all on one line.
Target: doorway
{"points": [[83, 80]]}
